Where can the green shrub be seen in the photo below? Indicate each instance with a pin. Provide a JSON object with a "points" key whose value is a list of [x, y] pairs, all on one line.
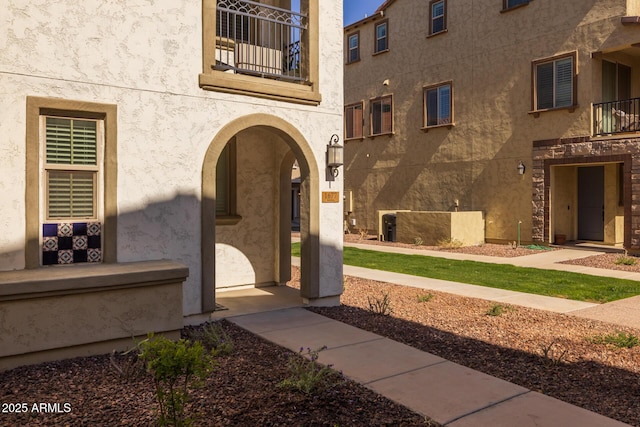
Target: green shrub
{"points": [[174, 366], [425, 297], [306, 374], [620, 340], [625, 260], [214, 337], [496, 310]]}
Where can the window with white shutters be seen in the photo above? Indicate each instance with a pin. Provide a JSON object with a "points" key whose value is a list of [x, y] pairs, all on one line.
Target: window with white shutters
{"points": [[71, 167]]}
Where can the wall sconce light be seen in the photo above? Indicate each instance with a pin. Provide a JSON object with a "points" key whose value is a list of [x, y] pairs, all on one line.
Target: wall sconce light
{"points": [[335, 154], [521, 168]]}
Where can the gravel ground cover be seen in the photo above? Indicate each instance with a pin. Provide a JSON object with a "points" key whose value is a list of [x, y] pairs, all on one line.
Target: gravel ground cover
{"points": [[550, 353], [241, 391]]}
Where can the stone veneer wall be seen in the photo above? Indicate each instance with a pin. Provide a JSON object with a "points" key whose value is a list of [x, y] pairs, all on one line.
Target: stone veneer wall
{"points": [[584, 150]]}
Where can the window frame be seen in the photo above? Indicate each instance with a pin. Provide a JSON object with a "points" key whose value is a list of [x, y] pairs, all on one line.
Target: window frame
{"points": [[96, 170], [380, 100], [230, 214], [346, 128], [507, 8], [425, 105], [36, 107], [432, 19], [384, 22], [357, 48], [534, 85]]}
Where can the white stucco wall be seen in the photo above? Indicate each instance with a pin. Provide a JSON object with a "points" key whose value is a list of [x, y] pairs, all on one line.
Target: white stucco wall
{"points": [[145, 57]]}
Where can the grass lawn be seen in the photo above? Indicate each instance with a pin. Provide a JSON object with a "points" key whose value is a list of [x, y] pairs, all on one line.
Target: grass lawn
{"points": [[581, 287]]}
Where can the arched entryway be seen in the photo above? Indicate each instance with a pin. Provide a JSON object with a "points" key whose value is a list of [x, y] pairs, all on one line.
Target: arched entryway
{"points": [[253, 237]]}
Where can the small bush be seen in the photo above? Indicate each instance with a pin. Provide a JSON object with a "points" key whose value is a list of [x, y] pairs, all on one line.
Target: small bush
{"points": [[625, 260], [553, 354], [380, 305], [620, 340], [496, 310], [174, 366], [449, 243], [215, 338], [128, 364], [306, 374], [425, 297], [417, 241]]}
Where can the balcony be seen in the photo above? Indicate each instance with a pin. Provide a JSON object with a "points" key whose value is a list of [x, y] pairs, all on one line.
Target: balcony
{"points": [[260, 40], [616, 117]]}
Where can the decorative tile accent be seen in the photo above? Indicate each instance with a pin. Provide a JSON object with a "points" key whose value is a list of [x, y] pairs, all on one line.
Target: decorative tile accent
{"points": [[65, 230], [49, 244], [65, 257], [80, 242], [70, 243]]}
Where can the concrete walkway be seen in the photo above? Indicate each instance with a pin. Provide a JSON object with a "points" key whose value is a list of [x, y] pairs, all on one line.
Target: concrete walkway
{"points": [[451, 394]]}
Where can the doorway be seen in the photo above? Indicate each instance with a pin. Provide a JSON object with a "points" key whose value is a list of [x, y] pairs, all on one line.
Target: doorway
{"points": [[591, 203]]}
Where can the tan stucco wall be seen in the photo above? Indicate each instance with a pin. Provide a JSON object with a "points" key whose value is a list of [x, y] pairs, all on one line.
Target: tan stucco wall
{"points": [[475, 160], [66, 312], [434, 227]]}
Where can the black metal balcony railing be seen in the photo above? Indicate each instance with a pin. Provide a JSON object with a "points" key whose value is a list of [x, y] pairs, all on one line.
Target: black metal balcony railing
{"points": [[616, 117], [258, 39]]}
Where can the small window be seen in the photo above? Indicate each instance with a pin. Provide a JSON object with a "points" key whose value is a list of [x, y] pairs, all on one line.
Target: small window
{"points": [[554, 82], [381, 116], [353, 121], [437, 16], [382, 40], [509, 4], [353, 50], [226, 182], [71, 168], [438, 105]]}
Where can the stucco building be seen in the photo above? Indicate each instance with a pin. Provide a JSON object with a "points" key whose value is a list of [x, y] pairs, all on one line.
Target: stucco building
{"points": [[160, 130], [524, 111]]}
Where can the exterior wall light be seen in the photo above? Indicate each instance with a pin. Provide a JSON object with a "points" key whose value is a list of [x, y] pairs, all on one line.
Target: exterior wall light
{"points": [[521, 168], [335, 155]]}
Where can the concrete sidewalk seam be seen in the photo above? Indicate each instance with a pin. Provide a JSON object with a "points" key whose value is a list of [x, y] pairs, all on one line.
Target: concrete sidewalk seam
{"points": [[475, 411], [409, 371]]}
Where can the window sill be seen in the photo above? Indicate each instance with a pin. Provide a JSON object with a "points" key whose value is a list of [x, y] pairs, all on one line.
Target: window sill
{"points": [[228, 219], [355, 138], [380, 52], [352, 62], [536, 113], [518, 6], [381, 134], [221, 81], [446, 30], [446, 125]]}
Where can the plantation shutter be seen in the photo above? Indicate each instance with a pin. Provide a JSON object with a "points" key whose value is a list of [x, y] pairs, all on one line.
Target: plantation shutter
{"points": [[444, 107], [72, 142], [386, 116], [564, 82], [71, 194], [544, 86], [357, 122]]}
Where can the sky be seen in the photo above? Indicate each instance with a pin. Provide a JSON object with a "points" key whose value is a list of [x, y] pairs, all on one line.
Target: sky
{"points": [[355, 10]]}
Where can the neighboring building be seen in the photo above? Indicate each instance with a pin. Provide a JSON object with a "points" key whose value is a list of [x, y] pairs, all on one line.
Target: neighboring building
{"points": [[166, 130], [446, 102]]}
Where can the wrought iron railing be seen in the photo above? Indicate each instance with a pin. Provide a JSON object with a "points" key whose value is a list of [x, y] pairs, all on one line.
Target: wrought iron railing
{"points": [[616, 117], [262, 40]]}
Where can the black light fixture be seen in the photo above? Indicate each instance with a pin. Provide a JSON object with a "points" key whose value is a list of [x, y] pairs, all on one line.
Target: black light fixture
{"points": [[335, 154], [521, 168]]}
